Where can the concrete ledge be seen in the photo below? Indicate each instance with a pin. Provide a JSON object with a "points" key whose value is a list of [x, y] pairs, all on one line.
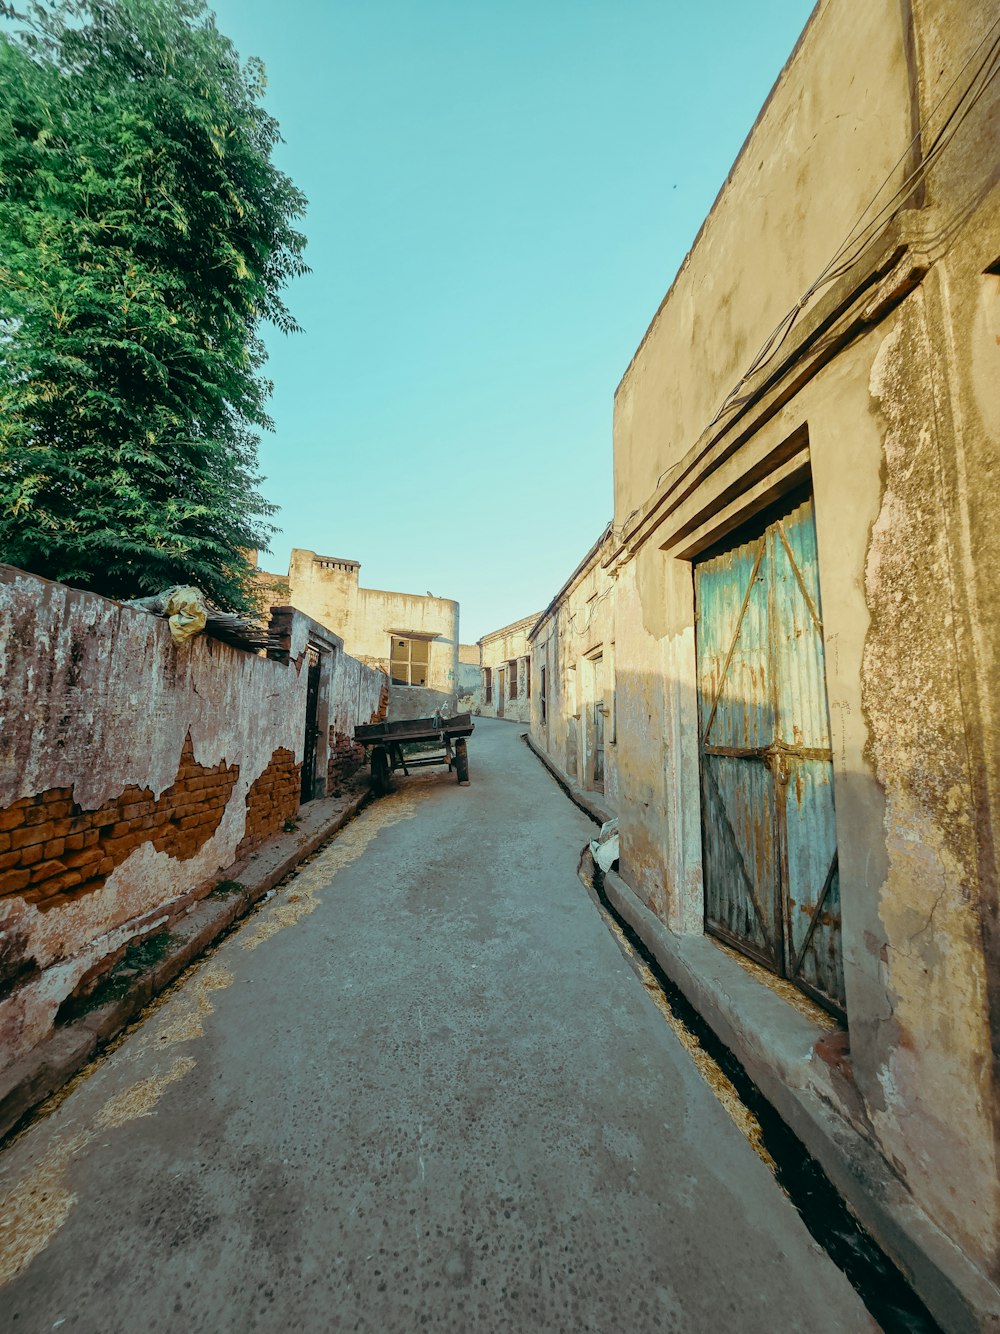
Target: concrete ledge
{"points": [[783, 1065], [591, 803], [43, 1071]]}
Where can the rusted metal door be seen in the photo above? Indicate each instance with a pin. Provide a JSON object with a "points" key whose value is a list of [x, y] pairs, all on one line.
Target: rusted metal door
{"points": [[312, 730], [769, 836], [501, 690]]}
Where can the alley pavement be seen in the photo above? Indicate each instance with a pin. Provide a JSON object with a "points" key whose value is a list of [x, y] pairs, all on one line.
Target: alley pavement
{"points": [[422, 1088]]}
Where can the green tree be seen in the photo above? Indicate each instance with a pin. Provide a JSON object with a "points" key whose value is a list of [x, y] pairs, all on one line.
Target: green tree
{"points": [[145, 235]]}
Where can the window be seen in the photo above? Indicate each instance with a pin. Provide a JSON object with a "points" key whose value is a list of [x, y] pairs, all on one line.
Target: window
{"points": [[527, 677], [487, 685], [512, 678], [408, 661], [541, 695]]}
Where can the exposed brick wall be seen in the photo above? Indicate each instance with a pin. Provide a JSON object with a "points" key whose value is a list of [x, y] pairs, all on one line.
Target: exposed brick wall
{"points": [[273, 798], [101, 718], [52, 851], [346, 756]]}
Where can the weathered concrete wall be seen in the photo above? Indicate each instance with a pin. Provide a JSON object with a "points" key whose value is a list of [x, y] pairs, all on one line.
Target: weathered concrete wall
{"points": [[574, 639], [469, 692], [885, 402], [327, 589], [131, 773], [507, 650], [835, 126], [358, 694]]}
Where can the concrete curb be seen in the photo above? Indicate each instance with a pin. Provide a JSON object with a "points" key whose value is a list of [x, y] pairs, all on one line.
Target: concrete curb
{"points": [[43, 1071], [588, 802]]}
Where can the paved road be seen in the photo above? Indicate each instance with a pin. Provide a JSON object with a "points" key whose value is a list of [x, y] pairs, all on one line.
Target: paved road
{"points": [[422, 1089]]}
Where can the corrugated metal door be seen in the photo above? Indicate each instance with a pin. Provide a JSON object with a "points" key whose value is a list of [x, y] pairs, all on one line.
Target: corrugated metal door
{"points": [[769, 836]]}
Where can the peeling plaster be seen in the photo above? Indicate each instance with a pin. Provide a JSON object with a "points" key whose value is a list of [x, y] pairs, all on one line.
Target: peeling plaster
{"points": [[933, 1037], [96, 698]]}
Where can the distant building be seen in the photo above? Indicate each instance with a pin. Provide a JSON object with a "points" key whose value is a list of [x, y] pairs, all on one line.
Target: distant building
{"points": [[469, 692], [573, 663], [506, 671], [412, 638]]}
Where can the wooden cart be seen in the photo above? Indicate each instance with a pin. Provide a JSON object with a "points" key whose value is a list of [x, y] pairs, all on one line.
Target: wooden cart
{"points": [[386, 741]]}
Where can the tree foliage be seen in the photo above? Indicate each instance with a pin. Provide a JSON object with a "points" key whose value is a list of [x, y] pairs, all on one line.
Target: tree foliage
{"points": [[145, 234]]}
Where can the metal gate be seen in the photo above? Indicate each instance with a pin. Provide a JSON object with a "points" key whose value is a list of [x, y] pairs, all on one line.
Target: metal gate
{"points": [[312, 729], [769, 836]]}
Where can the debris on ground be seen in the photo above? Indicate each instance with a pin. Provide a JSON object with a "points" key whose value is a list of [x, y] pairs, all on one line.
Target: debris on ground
{"points": [[605, 846]]}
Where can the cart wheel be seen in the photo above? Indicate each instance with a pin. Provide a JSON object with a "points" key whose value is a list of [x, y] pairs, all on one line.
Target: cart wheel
{"points": [[462, 761], [380, 771]]}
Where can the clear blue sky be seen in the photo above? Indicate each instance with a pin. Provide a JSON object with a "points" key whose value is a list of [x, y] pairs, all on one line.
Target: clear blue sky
{"points": [[499, 196]]}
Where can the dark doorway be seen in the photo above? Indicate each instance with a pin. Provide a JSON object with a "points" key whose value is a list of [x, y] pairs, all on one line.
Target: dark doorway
{"points": [[312, 729]]}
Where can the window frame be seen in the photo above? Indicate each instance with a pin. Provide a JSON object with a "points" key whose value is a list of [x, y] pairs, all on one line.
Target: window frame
{"points": [[409, 663]]}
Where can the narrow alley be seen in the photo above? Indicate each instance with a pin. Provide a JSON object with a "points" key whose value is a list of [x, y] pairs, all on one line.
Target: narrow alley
{"points": [[421, 1088]]}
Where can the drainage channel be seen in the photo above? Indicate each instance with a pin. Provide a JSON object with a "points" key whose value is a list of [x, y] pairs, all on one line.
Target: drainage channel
{"points": [[879, 1284]]}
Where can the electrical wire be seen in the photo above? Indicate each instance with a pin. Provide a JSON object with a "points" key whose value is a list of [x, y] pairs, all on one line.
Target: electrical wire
{"points": [[855, 242]]}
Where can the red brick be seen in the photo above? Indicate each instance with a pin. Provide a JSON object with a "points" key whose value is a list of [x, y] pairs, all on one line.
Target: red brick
{"points": [[53, 811], [12, 818], [46, 870], [11, 882], [54, 848], [135, 810], [30, 856], [9, 859], [132, 841], [105, 867], [86, 857], [61, 883], [23, 838]]}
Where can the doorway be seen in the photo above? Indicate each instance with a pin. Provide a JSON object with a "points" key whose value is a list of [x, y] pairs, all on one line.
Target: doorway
{"points": [[501, 689], [769, 843], [308, 790], [594, 721]]}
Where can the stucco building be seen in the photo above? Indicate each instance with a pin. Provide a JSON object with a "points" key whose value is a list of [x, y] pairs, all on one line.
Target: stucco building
{"points": [[506, 685], [412, 638], [572, 648], [804, 554], [469, 694]]}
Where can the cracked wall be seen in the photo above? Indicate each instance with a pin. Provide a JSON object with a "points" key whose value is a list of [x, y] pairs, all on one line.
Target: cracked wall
{"points": [[132, 772], [891, 415]]}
